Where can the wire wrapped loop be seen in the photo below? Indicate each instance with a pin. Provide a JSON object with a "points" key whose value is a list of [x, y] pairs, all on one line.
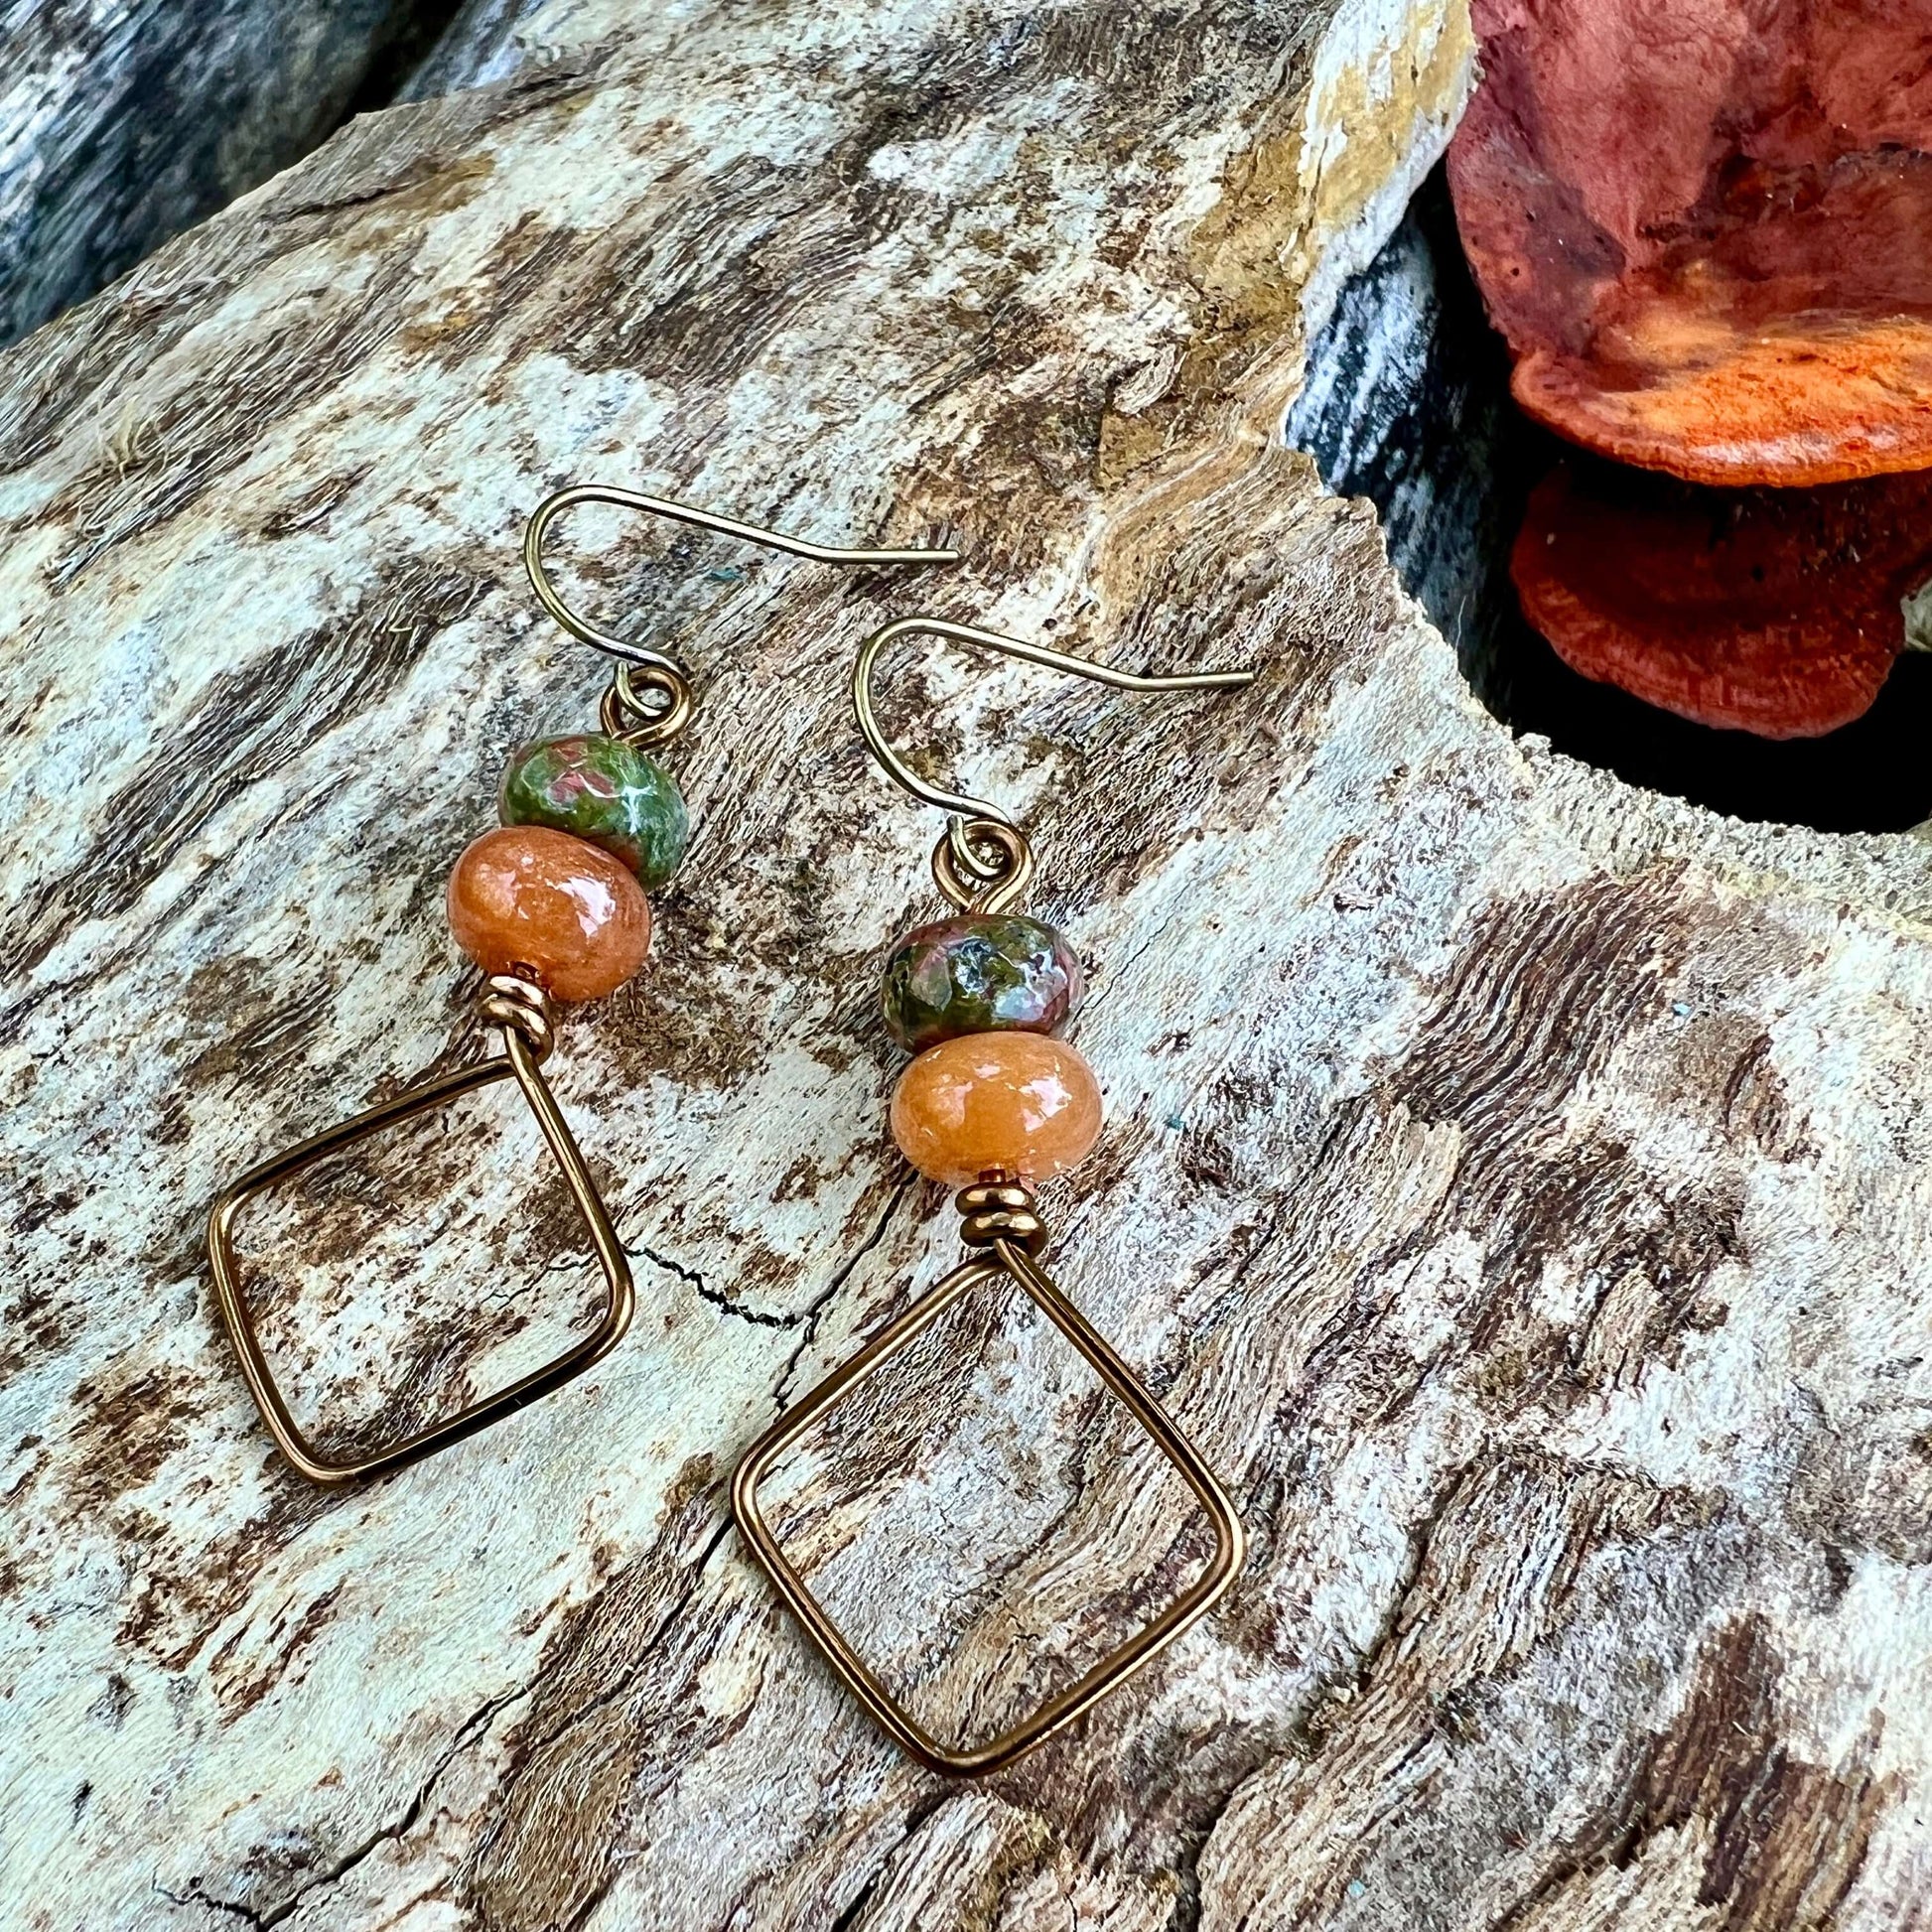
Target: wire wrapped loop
{"points": [[982, 865], [628, 713], [520, 1006], [1000, 1211]]}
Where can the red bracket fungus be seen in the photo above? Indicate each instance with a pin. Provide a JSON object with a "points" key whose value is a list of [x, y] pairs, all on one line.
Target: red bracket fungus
{"points": [[1769, 611], [1704, 227]]}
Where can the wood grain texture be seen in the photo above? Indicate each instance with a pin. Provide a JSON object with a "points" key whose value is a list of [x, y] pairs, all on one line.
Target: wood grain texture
{"points": [[121, 124], [483, 44], [1517, 1184]]}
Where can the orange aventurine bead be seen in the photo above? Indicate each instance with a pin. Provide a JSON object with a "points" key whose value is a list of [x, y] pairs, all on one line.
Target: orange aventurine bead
{"points": [[526, 897], [1014, 1103]]}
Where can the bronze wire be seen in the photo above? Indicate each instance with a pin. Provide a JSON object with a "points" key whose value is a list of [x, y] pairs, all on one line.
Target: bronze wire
{"points": [[513, 1006], [984, 863], [640, 667], [965, 866]]}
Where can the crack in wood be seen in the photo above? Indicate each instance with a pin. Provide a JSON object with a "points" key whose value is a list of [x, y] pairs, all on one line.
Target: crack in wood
{"points": [[470, 1731]]}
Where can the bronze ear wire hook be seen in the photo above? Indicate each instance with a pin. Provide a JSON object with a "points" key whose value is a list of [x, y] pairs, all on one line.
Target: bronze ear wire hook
{"points": [[658, 672], [975, 824]]}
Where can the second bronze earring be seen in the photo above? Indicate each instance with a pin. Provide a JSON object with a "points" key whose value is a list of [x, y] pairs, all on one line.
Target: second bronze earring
{"points": [[992, 1104]]}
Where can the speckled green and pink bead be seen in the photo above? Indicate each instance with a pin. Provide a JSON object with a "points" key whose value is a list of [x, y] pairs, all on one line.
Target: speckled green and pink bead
{"points": [[600, 788], [980, 973]]}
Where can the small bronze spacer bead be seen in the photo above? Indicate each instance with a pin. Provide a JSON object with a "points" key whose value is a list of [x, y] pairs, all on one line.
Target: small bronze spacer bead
{"points": [[992, 1193]]}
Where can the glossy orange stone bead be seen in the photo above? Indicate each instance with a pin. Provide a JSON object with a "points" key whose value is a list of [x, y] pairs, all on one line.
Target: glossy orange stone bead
{"points": [[557, 906], [1014, 1103]]}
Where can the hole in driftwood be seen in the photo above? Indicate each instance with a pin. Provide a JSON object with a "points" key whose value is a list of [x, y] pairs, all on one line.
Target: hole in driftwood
{"points": [[1407, 403]]}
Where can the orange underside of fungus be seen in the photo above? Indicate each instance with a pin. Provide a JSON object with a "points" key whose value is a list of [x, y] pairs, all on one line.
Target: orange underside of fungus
{"points": [[1768, 611]]}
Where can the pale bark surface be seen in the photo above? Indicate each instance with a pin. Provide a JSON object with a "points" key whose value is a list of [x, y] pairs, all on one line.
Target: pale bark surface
{"points": [[1517, 1184]]}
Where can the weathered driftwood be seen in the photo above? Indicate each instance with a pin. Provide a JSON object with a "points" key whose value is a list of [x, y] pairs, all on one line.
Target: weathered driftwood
{"points": [[121, 124], [482, 44], [1517, 1184]]}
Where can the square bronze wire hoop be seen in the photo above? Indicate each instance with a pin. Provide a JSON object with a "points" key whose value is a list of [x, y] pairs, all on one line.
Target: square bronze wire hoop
{"points": [[1061, 1709], [516, 1062]]}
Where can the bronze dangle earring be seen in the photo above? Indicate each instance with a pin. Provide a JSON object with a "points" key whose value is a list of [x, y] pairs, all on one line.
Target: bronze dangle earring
{"points": [[992, 1103], [552, 906]]}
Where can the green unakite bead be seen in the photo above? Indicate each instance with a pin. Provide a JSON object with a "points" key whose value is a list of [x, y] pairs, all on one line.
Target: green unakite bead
{"points": [[980, 973], [604, 791]]}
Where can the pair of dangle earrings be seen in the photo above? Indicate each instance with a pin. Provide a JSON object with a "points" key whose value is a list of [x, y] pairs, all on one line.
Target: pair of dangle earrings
{"points": [[552, 906]]}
